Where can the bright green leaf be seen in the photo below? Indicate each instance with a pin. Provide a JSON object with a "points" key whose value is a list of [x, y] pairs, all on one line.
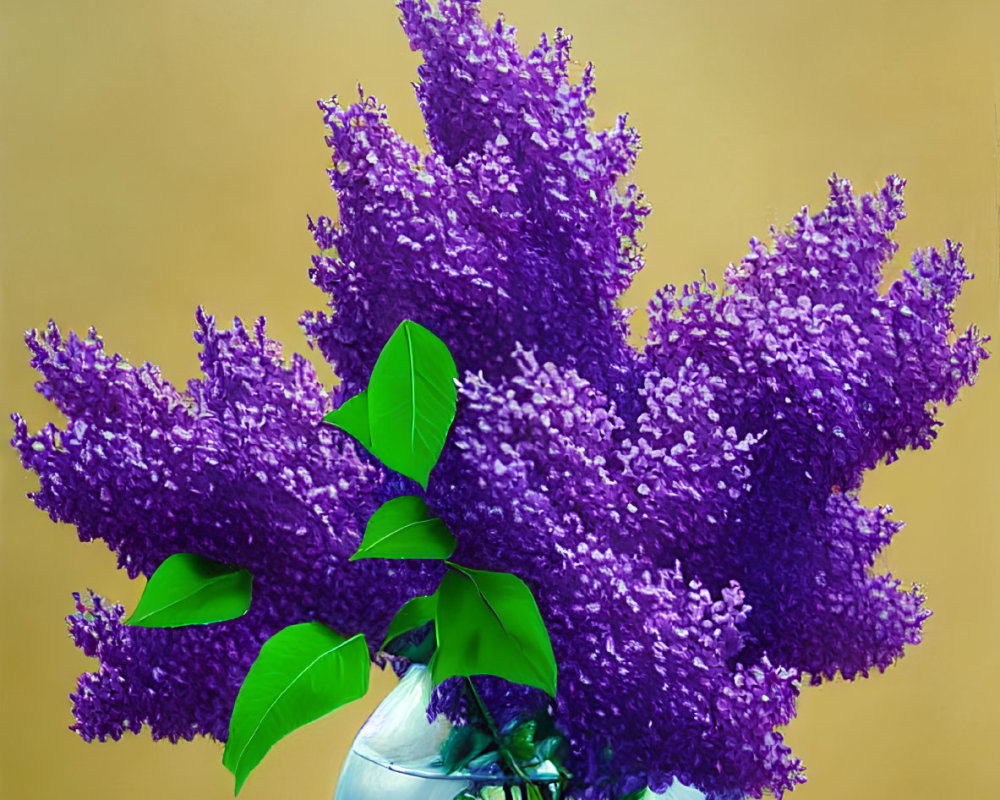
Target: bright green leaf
{"points": [[187, 589], [412, 615], [411, 401], [488, 623], [534, 793], [403, 528], [302, 673], [352, 416]]}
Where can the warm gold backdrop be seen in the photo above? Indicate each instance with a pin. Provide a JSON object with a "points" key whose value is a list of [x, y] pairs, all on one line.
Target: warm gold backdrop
{"points": [[157, 155]]}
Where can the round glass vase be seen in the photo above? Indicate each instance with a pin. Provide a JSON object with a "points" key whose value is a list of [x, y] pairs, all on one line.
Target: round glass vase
{"points": [[395, 756]]}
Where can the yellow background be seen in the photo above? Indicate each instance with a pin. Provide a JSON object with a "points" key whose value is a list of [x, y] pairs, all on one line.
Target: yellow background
{"points": [[157, 155]]}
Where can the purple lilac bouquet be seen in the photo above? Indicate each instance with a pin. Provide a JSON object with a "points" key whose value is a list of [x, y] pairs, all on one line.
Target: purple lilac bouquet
{"points": [[686, 515]]}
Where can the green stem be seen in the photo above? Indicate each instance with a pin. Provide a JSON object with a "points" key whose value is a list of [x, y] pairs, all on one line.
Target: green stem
{"points": [[505, 754]]}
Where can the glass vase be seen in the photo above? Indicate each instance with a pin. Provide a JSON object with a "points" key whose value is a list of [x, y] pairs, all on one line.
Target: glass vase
{"points": [[395, 756]]}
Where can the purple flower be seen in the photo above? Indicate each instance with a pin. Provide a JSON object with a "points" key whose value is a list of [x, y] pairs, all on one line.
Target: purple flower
{"points": [[533, 484], [513, 229], [179, 681], [686, 516], [237, 469]]}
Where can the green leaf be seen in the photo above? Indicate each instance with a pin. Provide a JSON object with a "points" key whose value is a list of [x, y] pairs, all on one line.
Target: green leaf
{"points": [[411, 401], [464, 743], [412, 615], [352, 416], [488, 623], [403, 528], [521, 741], [534, 793], [302, 673], [552, 748], [187, 589]]}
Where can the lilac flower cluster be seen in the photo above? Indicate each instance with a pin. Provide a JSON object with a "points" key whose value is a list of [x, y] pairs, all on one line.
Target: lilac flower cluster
{"points": [[238, 469], [491, 235], [687, 516]]}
